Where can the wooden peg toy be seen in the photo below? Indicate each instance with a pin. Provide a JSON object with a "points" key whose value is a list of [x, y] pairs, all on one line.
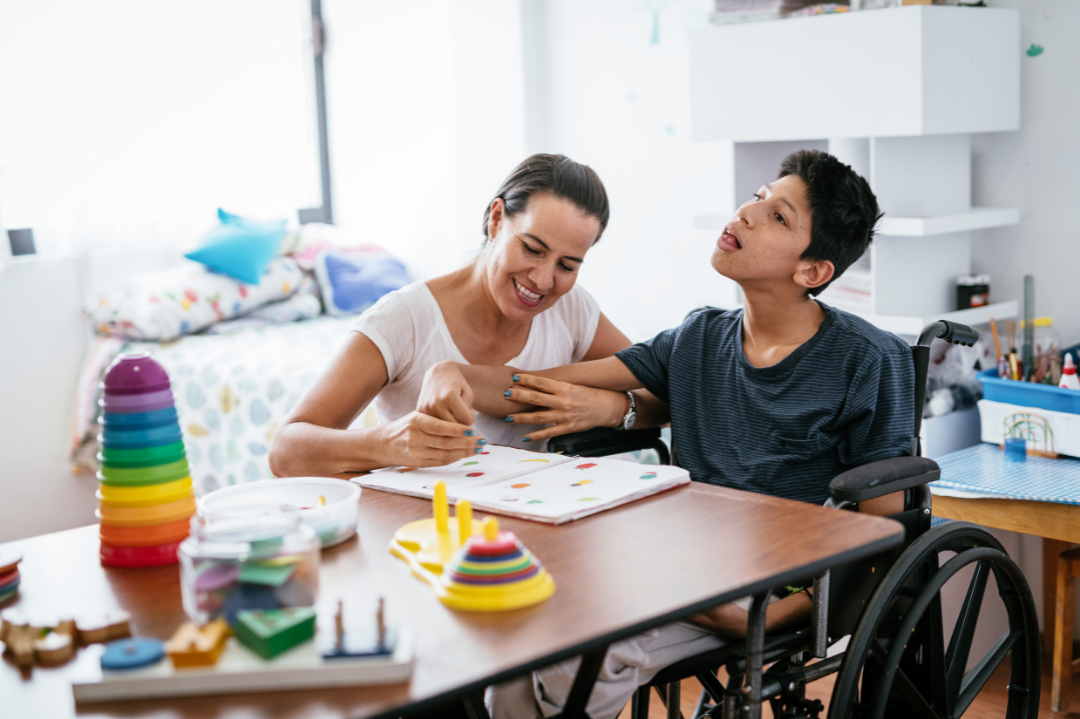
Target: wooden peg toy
{"points": [[192, 646], [350, 643], [104, 628], [465, 521], [428, 544], [442, 509]]}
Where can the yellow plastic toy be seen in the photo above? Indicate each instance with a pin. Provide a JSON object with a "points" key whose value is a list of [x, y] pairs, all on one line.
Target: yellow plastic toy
{"points": [[471, 566]]}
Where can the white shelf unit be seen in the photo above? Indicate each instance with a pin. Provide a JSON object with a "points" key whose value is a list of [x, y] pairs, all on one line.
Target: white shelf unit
{"points": [[894, 93]]}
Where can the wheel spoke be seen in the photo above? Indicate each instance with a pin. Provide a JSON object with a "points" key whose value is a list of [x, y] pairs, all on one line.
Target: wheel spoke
{"points": [[915, 698], [956, 657], [976, 679]]}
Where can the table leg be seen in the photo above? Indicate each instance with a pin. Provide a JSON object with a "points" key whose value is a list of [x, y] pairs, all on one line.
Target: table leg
{"points": [[755, 651], [1061, 683], [581, 690], [1052, 549]]}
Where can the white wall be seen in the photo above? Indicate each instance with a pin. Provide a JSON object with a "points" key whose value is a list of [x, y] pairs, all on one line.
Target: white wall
{"points": [[1035, 169], [426, 109], [614, 99]]}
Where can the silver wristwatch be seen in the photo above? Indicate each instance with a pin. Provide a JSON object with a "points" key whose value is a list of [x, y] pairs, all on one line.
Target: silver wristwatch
{"points": [[630, 417]]}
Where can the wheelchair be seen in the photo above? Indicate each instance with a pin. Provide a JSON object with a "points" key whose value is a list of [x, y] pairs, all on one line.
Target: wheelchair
{"points": [[896, 663]]}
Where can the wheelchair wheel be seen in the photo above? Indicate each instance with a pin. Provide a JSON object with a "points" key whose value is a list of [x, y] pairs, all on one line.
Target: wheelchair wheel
{"points": [[898, 664]]}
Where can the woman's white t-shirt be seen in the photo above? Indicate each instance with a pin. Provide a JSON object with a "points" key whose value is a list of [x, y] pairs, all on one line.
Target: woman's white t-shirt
{"points": [[408, 328]]}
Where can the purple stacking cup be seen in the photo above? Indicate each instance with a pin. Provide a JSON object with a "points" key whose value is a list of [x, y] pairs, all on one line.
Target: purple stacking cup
{"points": [[134, 373], [137, 403]]}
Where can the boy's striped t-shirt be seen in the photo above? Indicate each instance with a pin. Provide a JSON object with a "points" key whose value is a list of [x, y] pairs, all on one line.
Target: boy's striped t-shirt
{"points": [[842, 399]]}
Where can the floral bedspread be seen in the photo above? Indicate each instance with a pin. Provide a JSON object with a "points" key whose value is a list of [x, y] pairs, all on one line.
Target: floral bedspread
{"points": [[233, 390]]}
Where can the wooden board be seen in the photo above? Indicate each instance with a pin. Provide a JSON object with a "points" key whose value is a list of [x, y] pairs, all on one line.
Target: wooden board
{"points": [[1042, 519], [239, 670]]}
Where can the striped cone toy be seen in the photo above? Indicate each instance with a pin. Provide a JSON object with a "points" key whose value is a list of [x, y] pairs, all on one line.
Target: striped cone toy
{"points": [[145, 496]]}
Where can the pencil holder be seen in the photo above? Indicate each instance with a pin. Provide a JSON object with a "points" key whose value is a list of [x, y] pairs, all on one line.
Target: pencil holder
{"points": [[265, 562]]}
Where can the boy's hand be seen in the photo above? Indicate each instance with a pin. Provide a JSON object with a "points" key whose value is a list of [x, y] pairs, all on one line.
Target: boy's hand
{"points": [[571, 407], [446, 395]]}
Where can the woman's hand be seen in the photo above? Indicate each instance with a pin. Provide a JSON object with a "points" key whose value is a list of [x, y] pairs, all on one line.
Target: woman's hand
{"points": [[446, 394], [571, 407], [420, 440]]}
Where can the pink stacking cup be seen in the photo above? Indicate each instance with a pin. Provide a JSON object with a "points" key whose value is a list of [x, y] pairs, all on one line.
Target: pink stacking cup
{"points": [[129, 403]]}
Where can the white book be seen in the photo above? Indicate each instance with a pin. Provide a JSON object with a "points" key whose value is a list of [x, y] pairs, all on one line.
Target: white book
{"points": [[548, 488]]}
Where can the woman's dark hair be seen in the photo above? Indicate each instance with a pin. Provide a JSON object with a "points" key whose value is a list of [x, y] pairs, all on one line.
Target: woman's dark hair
{"points": [[560, 176], [843, 209]]}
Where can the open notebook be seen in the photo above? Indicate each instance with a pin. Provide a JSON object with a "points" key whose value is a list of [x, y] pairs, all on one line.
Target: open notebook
{"points": [[549, 488]]}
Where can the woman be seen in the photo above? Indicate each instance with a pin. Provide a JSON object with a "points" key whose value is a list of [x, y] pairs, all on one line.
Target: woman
{"points": [[515, 303]]}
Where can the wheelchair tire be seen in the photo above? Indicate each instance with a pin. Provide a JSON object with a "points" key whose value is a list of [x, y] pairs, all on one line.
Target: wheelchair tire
{"points": [[897, 663]]}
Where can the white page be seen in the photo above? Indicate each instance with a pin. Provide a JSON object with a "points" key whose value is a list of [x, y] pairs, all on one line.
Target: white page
{"points": [[575, 489], [495, 463]]}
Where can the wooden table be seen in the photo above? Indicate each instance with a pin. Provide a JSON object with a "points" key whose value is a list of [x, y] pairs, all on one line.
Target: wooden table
{"points": [[1057, 523], [618, 573]]}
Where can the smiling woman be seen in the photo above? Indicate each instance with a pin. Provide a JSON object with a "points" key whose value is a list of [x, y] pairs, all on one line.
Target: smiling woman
{"points": [[516, 303]]}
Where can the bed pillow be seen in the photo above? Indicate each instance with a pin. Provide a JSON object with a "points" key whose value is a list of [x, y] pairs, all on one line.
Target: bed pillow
{"points": [[239, 247], [352, 281], [165, 305]]}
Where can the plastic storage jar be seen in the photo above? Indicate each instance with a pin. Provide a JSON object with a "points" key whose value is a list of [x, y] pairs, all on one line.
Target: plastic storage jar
{"points": [[266, 562]]}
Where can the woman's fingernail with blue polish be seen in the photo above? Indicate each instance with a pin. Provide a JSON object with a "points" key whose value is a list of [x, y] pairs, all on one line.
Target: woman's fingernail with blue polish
{"points": [[468, 433], [477, 450], [507, 393], [516, 378], [508, 419], [526, 439], [481, 442]]}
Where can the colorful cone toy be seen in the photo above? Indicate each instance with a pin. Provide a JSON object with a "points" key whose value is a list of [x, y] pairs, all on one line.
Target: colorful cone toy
{"points": [[146, 497]]}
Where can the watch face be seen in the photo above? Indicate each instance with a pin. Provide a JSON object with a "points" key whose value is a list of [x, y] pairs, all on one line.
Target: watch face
{"points": [[629, 421]]}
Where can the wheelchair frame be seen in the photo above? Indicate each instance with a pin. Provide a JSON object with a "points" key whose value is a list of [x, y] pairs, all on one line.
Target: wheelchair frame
{"points": [[878, 674]]}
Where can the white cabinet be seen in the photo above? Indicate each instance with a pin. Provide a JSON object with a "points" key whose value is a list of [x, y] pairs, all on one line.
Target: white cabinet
{"points": [[894, 93]]}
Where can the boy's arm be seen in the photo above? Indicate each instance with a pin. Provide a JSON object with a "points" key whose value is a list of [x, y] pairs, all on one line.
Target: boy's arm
{"points": [[451, 389]]}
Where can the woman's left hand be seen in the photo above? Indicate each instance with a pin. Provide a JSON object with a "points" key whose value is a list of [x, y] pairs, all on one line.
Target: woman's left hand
{"points": [[571, 407]]}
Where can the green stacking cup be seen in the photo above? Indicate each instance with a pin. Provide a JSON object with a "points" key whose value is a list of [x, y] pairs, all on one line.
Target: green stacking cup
{"points": [[142, 476], [148, 457]]}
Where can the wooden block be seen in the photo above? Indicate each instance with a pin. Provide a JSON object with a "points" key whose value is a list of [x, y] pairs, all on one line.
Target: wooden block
{"points": [[269, 633], [103, 629], [19, 646], [11, 618], [54, 649], [192, 646]]}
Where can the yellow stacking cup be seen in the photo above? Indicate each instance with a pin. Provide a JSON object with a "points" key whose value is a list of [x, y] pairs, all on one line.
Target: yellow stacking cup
{"points": [[145, 516], [146, 495]]}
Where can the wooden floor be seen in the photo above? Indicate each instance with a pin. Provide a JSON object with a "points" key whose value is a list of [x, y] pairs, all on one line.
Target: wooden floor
{"points": [[990, 703]]}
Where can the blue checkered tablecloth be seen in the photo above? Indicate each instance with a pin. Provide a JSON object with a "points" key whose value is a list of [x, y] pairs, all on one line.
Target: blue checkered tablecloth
{"points": [[983, 469]]}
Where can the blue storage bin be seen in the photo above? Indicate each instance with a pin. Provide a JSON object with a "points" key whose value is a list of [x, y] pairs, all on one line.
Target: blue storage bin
{"points": [[1028, 394]]}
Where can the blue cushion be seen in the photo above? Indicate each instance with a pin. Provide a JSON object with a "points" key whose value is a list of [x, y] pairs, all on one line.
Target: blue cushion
{"points": [[240, 248], [352, 282]]}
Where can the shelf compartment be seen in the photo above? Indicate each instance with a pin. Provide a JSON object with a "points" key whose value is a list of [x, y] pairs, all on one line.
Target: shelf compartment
{"points": [[977, 218], [922, 70], [906, 325]]}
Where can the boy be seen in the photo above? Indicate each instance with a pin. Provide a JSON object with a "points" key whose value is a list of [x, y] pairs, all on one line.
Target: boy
{"points": [[777, 398]]}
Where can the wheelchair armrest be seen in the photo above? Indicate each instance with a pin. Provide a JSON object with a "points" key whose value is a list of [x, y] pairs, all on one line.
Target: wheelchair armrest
{"points": [[602, 441], [883, 477]]}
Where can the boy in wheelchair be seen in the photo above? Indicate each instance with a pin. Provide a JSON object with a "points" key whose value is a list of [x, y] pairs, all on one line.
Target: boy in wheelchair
{"points": [[778, 398]]}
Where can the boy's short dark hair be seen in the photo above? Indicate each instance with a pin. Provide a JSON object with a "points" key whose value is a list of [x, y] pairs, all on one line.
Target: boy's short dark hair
{"points": [[843, 209]]}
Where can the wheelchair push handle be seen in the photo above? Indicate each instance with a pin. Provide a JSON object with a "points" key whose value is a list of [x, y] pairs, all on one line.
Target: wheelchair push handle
{"points": [[950, 332]]}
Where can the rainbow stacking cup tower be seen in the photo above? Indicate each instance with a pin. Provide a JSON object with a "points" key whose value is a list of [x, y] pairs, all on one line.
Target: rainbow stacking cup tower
{"points": [[146, 498], [494, 571]]}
